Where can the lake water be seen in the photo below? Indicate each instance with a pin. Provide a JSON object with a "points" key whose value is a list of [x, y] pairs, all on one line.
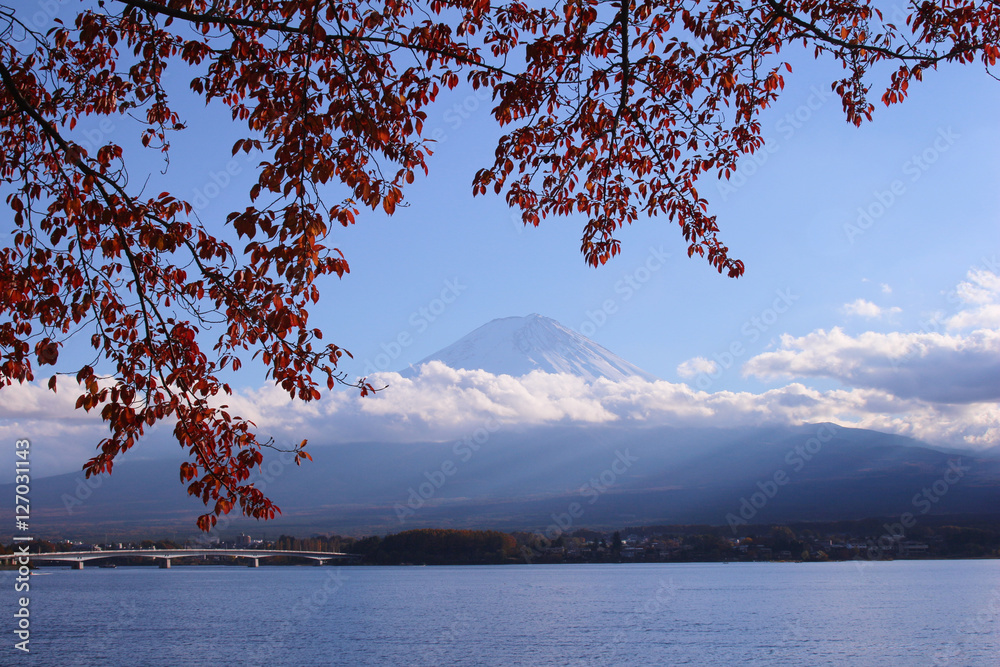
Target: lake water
{"points": [[888, 613]]}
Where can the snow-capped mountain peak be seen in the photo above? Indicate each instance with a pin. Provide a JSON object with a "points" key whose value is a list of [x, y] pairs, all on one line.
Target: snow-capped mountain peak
{"points": [[518, 345]]}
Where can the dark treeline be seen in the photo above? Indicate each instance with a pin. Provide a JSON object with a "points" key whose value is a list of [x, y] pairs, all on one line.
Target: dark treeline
{"points": [[425, 546]]}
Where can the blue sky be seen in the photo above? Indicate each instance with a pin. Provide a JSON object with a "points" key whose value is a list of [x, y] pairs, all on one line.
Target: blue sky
{"points": [[794, 220], [861, 246], [793, 217]]}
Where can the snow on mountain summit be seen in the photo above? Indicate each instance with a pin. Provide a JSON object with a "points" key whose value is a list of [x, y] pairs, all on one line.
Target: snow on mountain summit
{"points": [[518, 345]]}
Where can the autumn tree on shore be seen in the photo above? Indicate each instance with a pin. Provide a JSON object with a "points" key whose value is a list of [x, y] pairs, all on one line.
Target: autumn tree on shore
{"points": [[612, 111]]}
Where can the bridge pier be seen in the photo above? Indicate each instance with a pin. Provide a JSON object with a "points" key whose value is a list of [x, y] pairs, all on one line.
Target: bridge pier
{"points": [[253, 563], [317, 561], [78, 565], [164, 563]]}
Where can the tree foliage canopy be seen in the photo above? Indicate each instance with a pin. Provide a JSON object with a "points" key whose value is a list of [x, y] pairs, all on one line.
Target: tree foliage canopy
{"points": [[612, 111]]}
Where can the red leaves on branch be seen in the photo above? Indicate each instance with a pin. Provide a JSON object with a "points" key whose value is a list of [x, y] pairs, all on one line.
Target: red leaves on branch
{"points": [[613, 111]]}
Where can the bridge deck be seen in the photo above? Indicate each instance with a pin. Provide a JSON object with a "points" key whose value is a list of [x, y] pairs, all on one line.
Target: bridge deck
{"points": [[168, 554]]}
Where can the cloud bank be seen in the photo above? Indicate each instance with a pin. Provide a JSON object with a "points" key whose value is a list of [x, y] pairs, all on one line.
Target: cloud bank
{"points": [[954, 360], [938, 368], [442, 403]]}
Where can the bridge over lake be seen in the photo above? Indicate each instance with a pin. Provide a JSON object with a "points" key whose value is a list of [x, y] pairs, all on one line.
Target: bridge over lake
{"points": [[254, 556]]}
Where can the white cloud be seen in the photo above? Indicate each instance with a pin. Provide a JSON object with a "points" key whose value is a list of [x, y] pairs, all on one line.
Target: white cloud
{"points": [[930, 366], [36, 401], [863, 308], [441, 403], [886, 289], [945, 369], [62, 437], [693, 367], [982, 287]]}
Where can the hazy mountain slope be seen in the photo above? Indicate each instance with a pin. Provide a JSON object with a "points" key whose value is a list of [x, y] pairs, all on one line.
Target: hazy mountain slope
{"points": [[523, 479]]}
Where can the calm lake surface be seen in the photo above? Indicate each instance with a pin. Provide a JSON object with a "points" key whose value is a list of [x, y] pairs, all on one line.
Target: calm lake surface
{"points": [[890, 613]]}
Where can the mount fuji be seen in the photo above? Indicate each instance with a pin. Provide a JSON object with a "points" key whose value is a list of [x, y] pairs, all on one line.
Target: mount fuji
{"points": [[517, 346]]}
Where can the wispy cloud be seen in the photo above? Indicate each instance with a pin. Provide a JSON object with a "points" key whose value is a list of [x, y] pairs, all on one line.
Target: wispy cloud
{"points": [[693, 367], [980, 295], [863, 308]]}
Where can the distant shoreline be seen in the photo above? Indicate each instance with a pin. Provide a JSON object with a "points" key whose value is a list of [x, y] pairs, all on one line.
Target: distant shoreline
{"points": [[60, 566]]}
